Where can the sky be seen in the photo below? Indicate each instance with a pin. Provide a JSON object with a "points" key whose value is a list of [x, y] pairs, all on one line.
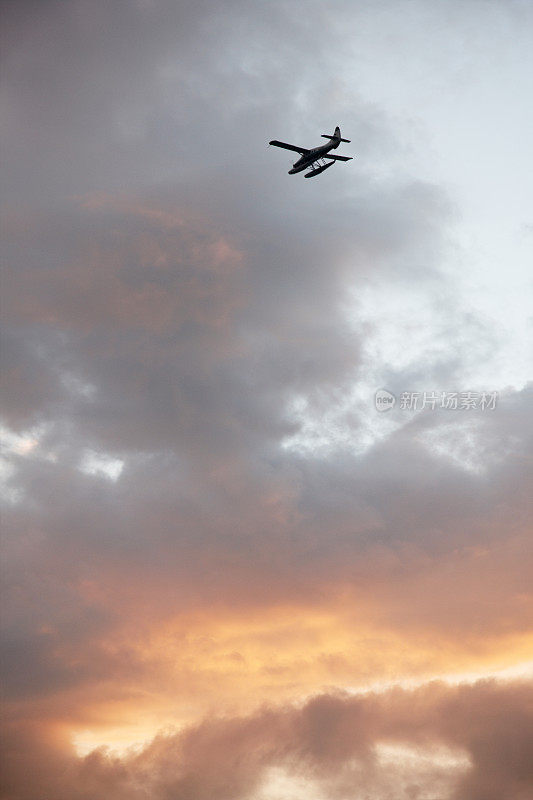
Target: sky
{"points": [[227, 573]]}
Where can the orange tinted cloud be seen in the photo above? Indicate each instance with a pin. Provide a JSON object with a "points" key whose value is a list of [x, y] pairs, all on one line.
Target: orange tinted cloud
{"points": [[472, 741], [159, 271]]}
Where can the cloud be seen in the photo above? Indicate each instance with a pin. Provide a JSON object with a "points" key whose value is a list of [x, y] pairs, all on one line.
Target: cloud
{"points": [[470, 740], [164, 347], [169, 351], [183, 325]]}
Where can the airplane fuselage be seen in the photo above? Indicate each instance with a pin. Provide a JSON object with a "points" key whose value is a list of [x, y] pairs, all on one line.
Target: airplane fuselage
{"points": [[313, 155]]}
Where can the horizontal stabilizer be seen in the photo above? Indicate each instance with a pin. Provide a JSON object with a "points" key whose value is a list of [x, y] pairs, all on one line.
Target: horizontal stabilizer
{"points": [[289, 146], [339, 138], [338, 158]]}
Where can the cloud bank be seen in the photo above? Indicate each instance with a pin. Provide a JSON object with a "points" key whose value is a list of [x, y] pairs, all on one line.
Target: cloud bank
{"points": [[468, 742]]}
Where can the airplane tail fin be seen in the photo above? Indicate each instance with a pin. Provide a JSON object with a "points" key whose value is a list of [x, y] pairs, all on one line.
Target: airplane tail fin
{"points": [[336, 135]]}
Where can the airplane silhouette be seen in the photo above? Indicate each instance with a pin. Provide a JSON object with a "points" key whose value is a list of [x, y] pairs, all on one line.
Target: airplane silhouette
{"points": [[316, 156]]}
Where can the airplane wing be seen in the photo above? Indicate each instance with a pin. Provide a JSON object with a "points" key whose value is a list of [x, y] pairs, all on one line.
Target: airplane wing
{"points": [[286, 146], [338, 158]]}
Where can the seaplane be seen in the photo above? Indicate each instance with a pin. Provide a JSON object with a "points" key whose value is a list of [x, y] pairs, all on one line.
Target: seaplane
{"points": [[315, 158]]}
